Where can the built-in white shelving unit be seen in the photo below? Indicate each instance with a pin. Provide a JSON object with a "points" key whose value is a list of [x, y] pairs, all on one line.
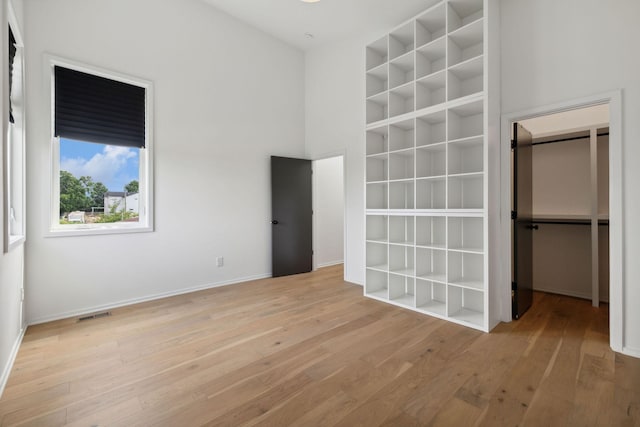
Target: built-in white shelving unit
{"points": [[427, 145]]}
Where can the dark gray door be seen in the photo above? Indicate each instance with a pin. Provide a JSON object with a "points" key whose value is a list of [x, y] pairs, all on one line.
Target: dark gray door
{"points": [[522, 216], [291, 213]]}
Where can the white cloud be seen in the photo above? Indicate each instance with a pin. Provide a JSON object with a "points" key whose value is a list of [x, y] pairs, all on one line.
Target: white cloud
{"points": [[102, 167]]}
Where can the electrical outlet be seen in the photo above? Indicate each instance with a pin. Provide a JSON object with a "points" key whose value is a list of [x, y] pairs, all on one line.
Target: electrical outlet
{"points": [[220, 261]]}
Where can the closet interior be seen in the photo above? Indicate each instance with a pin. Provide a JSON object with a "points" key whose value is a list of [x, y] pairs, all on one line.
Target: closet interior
{"points": [[570, 201]]}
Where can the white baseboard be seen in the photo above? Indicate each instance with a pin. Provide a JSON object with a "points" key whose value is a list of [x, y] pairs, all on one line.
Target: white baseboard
{"points": [[354, 281], [87, 310], [12, 358], [633, 352], [567, 293], [330, 263]]}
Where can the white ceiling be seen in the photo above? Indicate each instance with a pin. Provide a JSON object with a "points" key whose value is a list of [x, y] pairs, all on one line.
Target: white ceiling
{"points": [[328, 20]]}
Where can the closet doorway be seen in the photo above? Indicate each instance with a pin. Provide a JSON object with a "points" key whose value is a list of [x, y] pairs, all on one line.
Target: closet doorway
{"points": [[560, 197], [563, 215]]}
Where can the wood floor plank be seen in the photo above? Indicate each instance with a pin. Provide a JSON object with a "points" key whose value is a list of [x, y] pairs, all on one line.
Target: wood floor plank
{"points": [[310, 350]]}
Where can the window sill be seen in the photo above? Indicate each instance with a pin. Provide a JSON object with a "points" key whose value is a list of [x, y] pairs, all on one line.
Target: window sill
{"points": [[14, 242], [93, 230]]}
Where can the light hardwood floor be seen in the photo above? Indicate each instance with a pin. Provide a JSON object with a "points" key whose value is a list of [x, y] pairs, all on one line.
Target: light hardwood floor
{"points": [[310, 350]]}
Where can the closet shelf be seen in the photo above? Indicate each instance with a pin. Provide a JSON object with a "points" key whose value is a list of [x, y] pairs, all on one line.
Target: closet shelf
{"points": [[379, 267], [401, 243], [440, 278], [465, 249], [468, 284], [380, 294], [376, 240]]}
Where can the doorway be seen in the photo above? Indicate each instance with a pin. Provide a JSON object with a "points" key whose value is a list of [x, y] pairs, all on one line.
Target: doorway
{"points": [[328, 211], [560, 206], [577, 213]]}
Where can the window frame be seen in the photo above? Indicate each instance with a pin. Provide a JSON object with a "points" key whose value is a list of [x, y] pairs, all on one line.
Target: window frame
{"points": [[146, 212], [14, 171]]}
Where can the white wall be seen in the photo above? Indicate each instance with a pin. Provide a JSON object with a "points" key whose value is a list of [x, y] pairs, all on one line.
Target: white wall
{"points": [[226, 98], [328, 211], [559, 50], [10, 263], [335, 119]]}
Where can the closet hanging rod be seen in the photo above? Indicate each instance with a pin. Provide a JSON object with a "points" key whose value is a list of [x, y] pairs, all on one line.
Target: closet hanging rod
{"points": [[567, 139], [577, 222]]}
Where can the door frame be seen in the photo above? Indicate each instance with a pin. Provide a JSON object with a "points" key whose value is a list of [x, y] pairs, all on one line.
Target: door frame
{"points": [[616, 224], [324, 156]]}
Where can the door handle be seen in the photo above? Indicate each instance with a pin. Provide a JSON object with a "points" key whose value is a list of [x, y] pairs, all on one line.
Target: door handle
{"points": [[532, 227], [274, 222]]}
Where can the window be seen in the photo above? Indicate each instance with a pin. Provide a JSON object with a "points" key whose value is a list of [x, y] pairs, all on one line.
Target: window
{"points": [[101, 151], [14, 155]]}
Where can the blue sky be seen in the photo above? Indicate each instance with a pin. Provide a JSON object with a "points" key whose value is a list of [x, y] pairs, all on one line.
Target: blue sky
{"points": [[114, 166]]}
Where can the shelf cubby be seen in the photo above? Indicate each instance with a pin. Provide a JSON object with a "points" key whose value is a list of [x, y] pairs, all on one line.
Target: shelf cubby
{"points": [[377, 80], [466, 192], [466, 269], [466, 78], [431, 264], [377, 140], [466, 120], [466, 234], [377, 108], [401, 100], [431, 58], [431, 161], [401, 41], [401, 195], [377, 284], [465, 43], [377, 195], [431, 90], [401, 260], [431, 129], [431, 25], [377, 53], [466, 156], [377, 256], [401, 164], [466, 305], [402, 290], [401, 135], [401, 230], [431, 297], [431, 193], [401, 71], [464, 12], [377, 167], [377, 228], [431, 231]]}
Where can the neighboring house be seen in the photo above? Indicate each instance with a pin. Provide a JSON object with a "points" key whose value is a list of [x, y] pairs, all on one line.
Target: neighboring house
{"points": [[119, 201]]}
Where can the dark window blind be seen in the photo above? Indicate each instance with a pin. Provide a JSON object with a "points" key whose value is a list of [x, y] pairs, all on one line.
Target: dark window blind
{"points": [[96, 109], [12, 57]]}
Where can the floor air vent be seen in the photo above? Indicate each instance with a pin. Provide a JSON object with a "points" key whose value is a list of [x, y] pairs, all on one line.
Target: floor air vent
{"points": [[94, 316]]}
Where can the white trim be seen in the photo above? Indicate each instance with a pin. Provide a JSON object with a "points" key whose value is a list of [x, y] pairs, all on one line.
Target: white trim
{"points": [[146, 177], [616, 224], [585, 296], [12, 241], [331, 154], [633, 352], [12, 358], [330, 263], [132, 301]]}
